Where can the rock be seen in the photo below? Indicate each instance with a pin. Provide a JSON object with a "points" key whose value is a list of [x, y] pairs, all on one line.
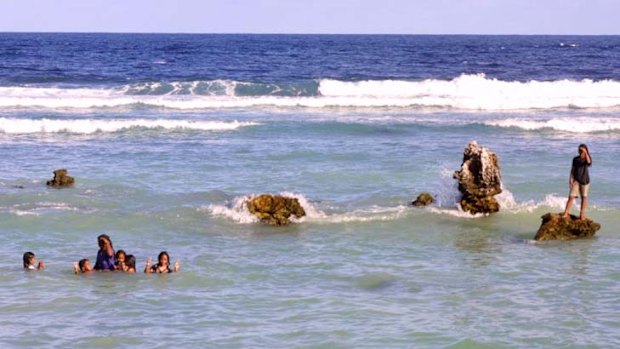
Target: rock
{"points": [[423, 199], [479, 180], [555, 227], [275, 209], [61, 179]]}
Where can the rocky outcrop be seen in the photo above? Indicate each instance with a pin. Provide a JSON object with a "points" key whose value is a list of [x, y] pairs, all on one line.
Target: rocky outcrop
{"points": [[479, 180], [423, 199], [556, 227], [61, 179], [275, 209]]}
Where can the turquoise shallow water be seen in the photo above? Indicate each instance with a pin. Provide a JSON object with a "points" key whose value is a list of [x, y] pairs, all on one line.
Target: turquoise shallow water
{"points": [[362, 270]]}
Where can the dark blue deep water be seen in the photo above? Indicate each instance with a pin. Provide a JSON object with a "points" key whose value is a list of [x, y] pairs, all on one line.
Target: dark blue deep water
{"points": [[112, 59]]}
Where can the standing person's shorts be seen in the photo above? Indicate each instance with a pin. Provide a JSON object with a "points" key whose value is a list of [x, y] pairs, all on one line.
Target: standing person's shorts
{"points": [[578, 189]]}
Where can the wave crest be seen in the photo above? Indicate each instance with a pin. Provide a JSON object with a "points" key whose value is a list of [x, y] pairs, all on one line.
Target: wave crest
{"points": [[571, 125], [466, 92], [89, 126]]}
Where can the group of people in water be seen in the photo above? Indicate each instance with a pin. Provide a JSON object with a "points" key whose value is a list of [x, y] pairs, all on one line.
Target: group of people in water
{"points": [[110, 260]]}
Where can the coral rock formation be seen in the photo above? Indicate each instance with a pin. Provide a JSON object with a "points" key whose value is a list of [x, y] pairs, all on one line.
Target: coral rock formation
{"points": [[61, 179], [555, 227], [275, 209], [423, 199], [479, 180]]}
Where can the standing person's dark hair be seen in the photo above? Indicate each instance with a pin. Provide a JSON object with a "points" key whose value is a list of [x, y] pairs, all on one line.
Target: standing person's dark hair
{"points": [[579, 181], [105, 255]]}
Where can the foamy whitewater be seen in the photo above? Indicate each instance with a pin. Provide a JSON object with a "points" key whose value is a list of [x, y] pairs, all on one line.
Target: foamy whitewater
{"points": [[466, 92], [168, 136]]}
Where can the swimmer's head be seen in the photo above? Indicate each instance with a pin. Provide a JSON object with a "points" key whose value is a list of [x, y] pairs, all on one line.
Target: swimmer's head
{"points": [[85, 265], [29, 259], [163, 258], [104, 239], [131, 261], [120, 256]]}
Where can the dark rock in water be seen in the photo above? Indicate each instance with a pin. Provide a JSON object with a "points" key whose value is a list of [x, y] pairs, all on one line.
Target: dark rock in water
{"points": [[275, 209], [479, 180], [19, 187], [61, 179], [556, 227], [423, 199]]}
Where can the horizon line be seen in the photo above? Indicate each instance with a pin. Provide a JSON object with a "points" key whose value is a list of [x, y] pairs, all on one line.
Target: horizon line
{"points": [[300, 34]]}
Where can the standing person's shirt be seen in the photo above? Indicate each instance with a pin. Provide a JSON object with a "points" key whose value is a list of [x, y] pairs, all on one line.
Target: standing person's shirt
{"points": [[104, 262], [580, 170]]}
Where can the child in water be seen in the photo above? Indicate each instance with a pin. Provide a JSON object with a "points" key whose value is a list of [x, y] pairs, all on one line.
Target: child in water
{"points": [[130, 265], [83, 266], [120, 258], [162, 266], [125, 262], [30, 262]]}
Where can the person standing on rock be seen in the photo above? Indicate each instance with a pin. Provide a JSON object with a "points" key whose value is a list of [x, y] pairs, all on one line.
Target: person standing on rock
{"points": [[579, 181]]}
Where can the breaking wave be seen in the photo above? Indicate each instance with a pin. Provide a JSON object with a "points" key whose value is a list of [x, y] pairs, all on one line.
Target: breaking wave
{"points": [[572, 125], [89, 126], [466, 92]]}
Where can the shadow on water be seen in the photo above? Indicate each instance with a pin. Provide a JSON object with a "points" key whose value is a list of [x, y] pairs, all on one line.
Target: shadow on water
{"points": [[480, 240]]}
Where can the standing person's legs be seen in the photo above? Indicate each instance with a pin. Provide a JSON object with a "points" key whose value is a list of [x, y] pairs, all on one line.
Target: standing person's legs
{"points": [[583, 191], [574, 192], [569, 203]]}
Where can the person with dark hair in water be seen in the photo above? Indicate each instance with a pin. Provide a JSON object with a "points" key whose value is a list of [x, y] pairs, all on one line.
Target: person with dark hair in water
{"points": [[30, 262], [579, 181], [130, 264], [83, 266], [162, 266], [120, 259], [105, 255]]}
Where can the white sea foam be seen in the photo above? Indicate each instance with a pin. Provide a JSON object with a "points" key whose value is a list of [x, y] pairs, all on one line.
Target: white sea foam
{"points": [[40, 208], [371, 214], [572, 125], [237, 211], [476, 92], [466, 92], [88, 126], [509, 204], [455, 212]]}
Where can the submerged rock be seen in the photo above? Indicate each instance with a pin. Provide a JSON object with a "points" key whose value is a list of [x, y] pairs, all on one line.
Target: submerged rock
{"points": [[61, 179], [479, 180], [423, 199], [555, 227], [275, 209]]}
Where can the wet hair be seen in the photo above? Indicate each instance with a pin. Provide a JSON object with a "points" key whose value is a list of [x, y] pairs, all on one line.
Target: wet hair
{"points": [[120, 252], [82, 262], [27, 257], [130, 261], [161, 254], [105, 236]]}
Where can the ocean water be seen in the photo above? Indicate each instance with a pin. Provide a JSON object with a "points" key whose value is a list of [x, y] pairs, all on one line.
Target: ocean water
{"points": [[166, 136]]}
